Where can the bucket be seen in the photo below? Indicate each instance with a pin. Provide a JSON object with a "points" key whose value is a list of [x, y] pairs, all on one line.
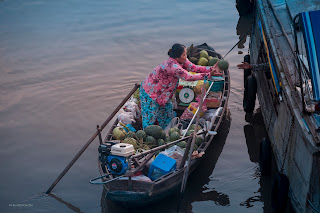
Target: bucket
{"points": [[217, 86]]}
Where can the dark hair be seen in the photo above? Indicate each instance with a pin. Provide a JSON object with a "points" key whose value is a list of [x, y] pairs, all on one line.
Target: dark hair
{"points": [[176, 50]]}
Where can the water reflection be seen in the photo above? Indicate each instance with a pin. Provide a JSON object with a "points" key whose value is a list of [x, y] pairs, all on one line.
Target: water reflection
{"points": [[69, 205], [196, 189], [254, 132], [252, 143]]}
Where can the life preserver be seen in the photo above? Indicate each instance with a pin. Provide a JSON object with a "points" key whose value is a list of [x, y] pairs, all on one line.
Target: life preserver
{"points": [[279, 196], [265, 157], [249, 97]]}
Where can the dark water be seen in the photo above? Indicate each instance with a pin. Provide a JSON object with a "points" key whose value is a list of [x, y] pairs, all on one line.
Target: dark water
{"points": [[64, 67]]}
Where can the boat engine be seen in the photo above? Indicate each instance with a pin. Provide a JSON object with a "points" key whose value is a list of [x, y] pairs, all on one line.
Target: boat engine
{"points": [[115, 157]]}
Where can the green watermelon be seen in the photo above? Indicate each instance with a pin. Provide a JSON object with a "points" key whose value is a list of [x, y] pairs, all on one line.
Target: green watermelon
{"points": [[141, 135], [182, 144], [193, 127], [163, 135], [189, 132], [198, 141], [174, 129], [174, 136], [223, 65], [160, 142], [213, 61], [154, 131], [151, 140]]}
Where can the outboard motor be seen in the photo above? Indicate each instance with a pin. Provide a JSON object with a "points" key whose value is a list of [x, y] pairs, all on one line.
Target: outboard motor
{"points": [[115, 157], [104, 152]]}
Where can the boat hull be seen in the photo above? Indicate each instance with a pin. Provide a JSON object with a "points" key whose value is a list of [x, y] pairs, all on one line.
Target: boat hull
{"points": [[295, 149], [132, 192]]}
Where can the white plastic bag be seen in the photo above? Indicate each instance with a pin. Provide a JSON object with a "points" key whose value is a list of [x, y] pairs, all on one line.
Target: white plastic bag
{"points": [[175, 153], [126, 117], [209, 114], [133, 107], [175, 122]]}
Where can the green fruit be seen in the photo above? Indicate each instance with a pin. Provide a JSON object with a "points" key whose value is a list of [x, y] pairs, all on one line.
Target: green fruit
{"points": [[195, 147], [118, 133], [160, 142], [131, 141], [203, 61], [168, 139], [174, 136], [204, 54], [198, 141], [174, 129], [189, 132], [154, 131], [151, 140], [141, 135], [193, 127], [136, 94], [223, 65], [209, 58], [131, 134], [182, 144], [213, 61], [193, 60], [144, 147], [163, 135]]}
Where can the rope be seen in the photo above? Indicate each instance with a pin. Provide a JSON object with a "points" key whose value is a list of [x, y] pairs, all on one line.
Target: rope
{"points": [[314, 208], [237, 42]]}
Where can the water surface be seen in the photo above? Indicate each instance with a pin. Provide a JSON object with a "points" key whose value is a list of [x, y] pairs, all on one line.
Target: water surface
{"points": [[65, 66]]}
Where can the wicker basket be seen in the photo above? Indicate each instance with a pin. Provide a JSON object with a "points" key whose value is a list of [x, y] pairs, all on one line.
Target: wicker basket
{"points": [[213, 99]]}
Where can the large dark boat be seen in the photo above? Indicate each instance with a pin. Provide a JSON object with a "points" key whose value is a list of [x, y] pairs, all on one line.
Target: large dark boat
{"points": [[286, 37]]}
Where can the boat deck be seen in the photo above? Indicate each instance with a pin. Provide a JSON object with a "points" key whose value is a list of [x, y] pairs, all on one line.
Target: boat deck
{"points": [[299, 6]]}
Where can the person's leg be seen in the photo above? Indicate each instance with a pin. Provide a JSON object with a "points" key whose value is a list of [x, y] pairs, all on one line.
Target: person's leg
{"points": [[166, 114], [149, 109]]}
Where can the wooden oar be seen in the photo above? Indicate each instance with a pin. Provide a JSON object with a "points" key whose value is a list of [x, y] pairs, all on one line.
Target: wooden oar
{"points": [[136, 86], [186, 171]]}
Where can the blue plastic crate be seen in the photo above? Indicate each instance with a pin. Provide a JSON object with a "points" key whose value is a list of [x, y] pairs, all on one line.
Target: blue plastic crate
{"points": [[160, 166]]}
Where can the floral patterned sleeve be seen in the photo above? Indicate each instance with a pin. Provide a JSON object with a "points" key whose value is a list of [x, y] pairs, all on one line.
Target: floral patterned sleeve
{"points": [[185, 75], [188, 65]]}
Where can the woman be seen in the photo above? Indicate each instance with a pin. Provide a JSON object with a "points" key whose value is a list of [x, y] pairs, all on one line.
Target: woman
{"points": [[158, 88]]}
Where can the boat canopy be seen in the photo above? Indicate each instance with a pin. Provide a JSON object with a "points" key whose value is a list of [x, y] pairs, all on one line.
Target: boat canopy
{"points": [[310, 22]]}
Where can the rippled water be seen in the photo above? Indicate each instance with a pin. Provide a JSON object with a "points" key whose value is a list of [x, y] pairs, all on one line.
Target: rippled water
{"points": [[65, 66]]}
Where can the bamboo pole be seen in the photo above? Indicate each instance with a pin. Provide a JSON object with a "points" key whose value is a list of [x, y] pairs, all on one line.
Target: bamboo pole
{"points": [[136, 86], [186, 171]]}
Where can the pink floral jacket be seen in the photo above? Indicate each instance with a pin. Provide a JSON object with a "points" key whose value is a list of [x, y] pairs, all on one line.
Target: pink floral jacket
{"points": [[162, 82]]}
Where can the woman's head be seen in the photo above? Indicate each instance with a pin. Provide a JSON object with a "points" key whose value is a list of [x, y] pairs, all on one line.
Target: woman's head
{"points": [[178, 52]]}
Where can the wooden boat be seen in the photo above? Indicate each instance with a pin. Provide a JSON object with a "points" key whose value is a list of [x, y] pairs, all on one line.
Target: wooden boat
{"points": [[285, 35], [129, 191]]}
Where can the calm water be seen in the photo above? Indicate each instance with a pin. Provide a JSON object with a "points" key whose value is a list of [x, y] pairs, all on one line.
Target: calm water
{"points": [[65, 65]]}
